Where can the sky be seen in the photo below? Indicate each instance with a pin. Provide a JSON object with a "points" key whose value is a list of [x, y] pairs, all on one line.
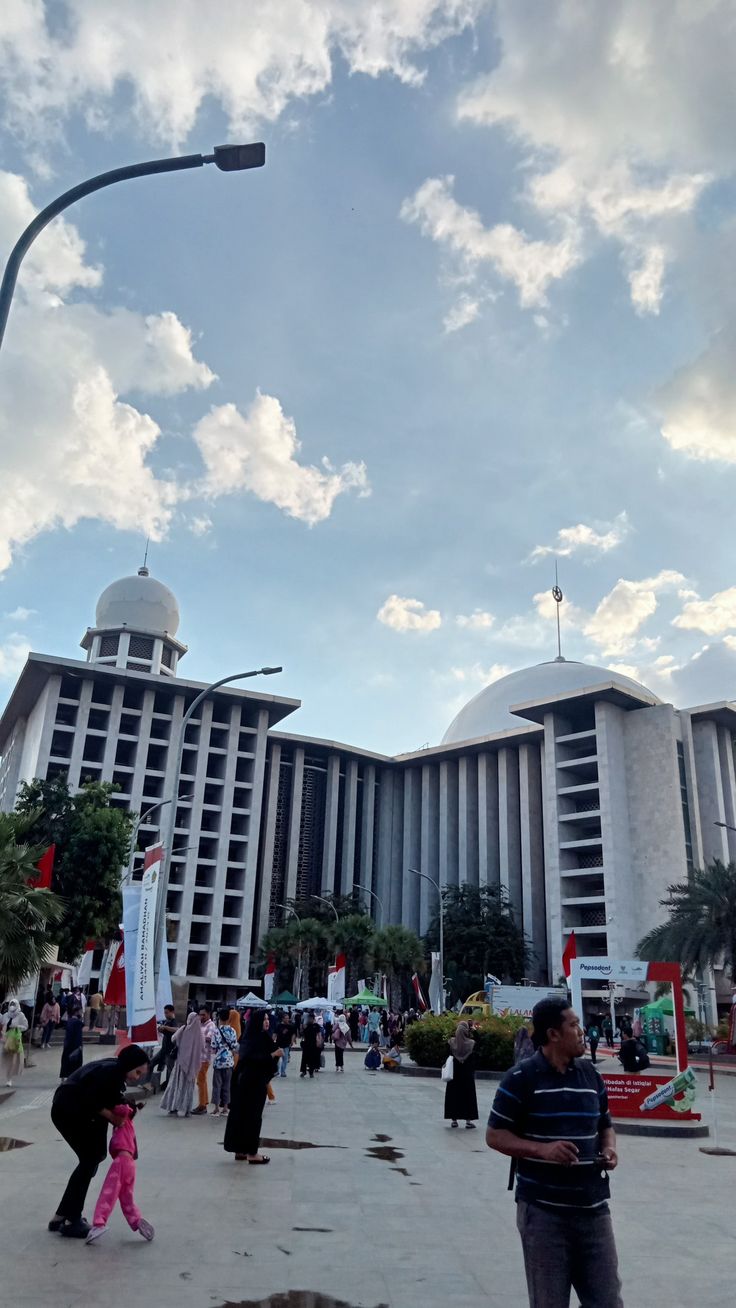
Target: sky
{"points": [[475, 317]]}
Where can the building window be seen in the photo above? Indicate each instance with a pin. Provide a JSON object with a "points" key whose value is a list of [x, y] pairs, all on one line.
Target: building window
{"points": [[685, 806], [108, 646]]}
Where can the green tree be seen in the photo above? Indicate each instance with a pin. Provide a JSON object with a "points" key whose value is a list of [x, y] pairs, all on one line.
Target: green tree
{"points": [[481, 935], [354, 935], [27, 916], [397, 951], [700, 931], [92, 839]]}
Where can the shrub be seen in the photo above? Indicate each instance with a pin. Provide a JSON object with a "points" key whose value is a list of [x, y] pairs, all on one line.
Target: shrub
{"points": [[426, 1041]]}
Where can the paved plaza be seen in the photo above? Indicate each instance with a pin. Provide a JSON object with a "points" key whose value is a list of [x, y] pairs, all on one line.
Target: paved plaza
{"points": [[392, 1207]]}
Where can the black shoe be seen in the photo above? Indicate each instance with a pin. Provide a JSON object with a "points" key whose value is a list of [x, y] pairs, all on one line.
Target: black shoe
{"points": [[78, 1230], [56, 1223], [197, 1112]]}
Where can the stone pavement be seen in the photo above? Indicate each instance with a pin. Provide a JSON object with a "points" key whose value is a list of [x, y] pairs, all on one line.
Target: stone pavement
{"points": [[426, 1226]]}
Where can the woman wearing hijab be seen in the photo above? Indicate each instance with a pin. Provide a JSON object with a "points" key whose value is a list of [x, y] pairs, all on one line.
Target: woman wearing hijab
{"points": [[73, 1052], [460, 1096], [311, 1047], [179, 1092], [81, 1111], [342, 1038], [13, 1022], [256, 1066]]}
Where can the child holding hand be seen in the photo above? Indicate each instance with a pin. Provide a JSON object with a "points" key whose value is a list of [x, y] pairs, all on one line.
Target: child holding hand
{"points": [[120, 1180]]}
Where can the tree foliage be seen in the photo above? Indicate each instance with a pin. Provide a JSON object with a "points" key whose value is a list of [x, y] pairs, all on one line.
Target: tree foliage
{"points": [[397, 951], [700, 931], [481, 935], [92, 839], [426, 1041], [27, 916]]}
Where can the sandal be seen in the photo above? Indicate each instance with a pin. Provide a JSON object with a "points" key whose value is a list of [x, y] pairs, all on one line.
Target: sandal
{"points": [[260, 1161]]}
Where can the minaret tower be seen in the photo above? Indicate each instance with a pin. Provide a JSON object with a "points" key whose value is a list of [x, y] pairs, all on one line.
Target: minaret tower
{"points": [[136, 622]]}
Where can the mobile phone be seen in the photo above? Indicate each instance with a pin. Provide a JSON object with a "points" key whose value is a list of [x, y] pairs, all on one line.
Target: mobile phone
{"points": [[601, 1160]]}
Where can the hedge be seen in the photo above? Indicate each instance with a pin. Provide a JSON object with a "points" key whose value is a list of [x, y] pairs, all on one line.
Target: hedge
{"points": [[426, 1041]]}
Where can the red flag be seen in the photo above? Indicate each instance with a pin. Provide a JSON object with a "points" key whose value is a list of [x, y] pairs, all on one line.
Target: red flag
{"points": [[114, 994], [422, 1004], [268, 977], [45, 867], [570, 952]]}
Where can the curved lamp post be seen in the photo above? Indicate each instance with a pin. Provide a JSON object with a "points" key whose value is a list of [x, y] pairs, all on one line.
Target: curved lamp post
{"points": [[228, 158], [168, 841], [373, 895], [425, 877]]}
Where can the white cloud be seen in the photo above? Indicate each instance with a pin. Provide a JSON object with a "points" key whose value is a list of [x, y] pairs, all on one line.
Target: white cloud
{"points": [[201, 525], [462, 313], [252, 59], [21, 614], [600, 539], [711, 616], [408, 615], [478, 620], [620, 614], [698, 404], [477, 674], [13, 653], [256, 451], [529, 264], [85, 452]]}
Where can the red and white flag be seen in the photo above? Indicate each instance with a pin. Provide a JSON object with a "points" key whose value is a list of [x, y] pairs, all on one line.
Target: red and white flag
{"points": [[336, 980], [422, 1004], [570, 952], [268, 977], [114, 992]]}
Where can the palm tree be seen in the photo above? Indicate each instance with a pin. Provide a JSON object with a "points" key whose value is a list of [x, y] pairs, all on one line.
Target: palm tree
{"points": [[276, 944], [397, 951], [701, 930], [25, 913], [308, 940]]}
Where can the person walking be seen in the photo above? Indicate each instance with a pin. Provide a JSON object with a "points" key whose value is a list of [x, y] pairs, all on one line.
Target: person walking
{"points": [[354, 1024], [224, 1044], [311, 1047], [96, 1006], [13, 1022], [593, 1032], [50, 1019], [460, 1097], [166, 1056], [81, 1110], [256, 1066], [607, 1028], [285, 1036], [189, 1041], [72, 1054], [374, 1023], [341, 1039], [208, 1031], [562, 1185]]}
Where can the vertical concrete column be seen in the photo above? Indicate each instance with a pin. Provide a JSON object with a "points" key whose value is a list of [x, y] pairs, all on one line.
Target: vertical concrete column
{"points": [[145, 731], [467, 803], [329, 847], [429, 855], [728, 782], [349, 818], [448, 823], [367, 829], [389, 782], [47, 706], [550, 819], [710, 791], [80, 736], [509, 833], [532, 856], [295, 821], [196, 790], [247, 935], [271, 798], [113, 731], [693, 800], [411, 850], [226, 818], [489, 873]]}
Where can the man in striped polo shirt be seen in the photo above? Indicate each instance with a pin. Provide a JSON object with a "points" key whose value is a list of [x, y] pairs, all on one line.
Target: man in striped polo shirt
{"points": [[551, 1115]]}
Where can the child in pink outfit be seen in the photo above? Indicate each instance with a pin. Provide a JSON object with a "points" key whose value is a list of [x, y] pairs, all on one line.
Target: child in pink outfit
{"points": [[120, 1180]]}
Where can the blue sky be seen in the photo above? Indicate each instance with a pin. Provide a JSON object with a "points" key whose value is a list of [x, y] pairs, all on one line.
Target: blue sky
{"points": [[483, 275]]}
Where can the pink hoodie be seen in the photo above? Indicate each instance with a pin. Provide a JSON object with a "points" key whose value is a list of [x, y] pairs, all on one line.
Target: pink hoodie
{"points": [[123, 1138]]}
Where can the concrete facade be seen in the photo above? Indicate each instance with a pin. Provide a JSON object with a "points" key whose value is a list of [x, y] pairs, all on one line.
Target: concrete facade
{"points": [[584, 808]]}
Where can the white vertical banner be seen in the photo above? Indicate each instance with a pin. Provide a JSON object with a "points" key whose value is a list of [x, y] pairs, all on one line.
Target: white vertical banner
{"points": [[143, 995], [436, 989], [336, 980]]}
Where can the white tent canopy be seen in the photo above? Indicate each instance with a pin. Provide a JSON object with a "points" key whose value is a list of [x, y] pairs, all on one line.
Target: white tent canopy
{"points": [[315, 1003], [251, 1001]]}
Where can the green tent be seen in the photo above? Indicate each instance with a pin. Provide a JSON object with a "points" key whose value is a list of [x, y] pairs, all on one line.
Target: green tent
{"points": [[366, 997], [664, 1008], [285, 997]]}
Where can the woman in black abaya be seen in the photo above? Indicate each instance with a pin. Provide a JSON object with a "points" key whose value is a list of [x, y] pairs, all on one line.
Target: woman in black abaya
{"points": [[256, 1066], [460, 1096]]}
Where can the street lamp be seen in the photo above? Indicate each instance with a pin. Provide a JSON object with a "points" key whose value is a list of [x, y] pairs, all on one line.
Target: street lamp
{"points": [[425, 877], [329, 904], [168, 842], [294, 913], [228, 158], [727, 825], [373, 895]]}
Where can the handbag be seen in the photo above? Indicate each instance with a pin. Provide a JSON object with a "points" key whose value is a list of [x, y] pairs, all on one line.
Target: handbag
{"points": [[13, 1040], [448, 1068]]}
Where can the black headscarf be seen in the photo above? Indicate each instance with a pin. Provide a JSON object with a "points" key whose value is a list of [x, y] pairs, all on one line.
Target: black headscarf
{"points": [[130, 1057]]}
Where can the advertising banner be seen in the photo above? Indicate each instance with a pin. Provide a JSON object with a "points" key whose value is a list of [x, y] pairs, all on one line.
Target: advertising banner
{"points": [[520, 1000], [612, 969], [643, 1096], [139, 924]]}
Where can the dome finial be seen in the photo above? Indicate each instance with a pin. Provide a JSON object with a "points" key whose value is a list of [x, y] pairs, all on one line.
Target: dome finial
{"points": [[558, 598], [143, 571]]}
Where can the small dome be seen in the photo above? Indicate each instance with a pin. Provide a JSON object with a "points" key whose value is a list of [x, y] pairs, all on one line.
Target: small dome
{"points": [[140, 603], [488, 711]]}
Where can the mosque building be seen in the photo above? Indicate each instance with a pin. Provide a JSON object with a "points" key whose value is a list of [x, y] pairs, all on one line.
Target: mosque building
{"points": [[573, 787]]}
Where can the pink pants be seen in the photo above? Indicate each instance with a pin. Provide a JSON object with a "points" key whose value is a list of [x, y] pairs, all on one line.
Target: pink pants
{"points": [[119, 1184]]}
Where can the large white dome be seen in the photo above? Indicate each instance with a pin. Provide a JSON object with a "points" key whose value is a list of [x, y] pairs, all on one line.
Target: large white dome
{"points": [[140, 603], [488, 711]]}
